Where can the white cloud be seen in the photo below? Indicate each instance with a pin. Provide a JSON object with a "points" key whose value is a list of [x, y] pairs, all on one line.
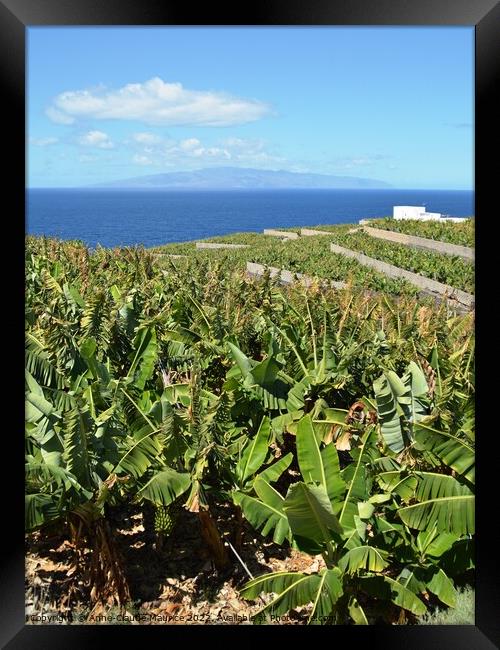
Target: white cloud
{"points": [[357, 162], [58, 116], [190, 144], [250, 152], [146, 138], [236, 142], [191, 152], [142, 160], [96, 139], [211, 152], [158, 103], [352, 162], [43, 142]]}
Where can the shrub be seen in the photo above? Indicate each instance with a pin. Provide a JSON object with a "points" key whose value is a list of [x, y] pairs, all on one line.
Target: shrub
{"points": [[461, 614]]}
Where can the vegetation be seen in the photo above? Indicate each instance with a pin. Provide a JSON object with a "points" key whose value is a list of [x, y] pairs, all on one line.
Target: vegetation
{"points": [[449, 269], [337, 424], [311, 256], [446, 231], [462, 614]]}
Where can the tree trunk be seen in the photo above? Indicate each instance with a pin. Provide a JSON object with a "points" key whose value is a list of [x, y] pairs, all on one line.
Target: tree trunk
{"points": [[213, 539], [238, 535], [104, 570]]}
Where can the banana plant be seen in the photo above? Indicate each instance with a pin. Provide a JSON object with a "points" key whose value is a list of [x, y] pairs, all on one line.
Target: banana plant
{"points": [[330, 512], [243, 363], [262, 383], [325, 359], [401, 403], [89, 444], [265, 387], [430, 523], [427, 494], [199, 438], [78, 458], [253, 491]]}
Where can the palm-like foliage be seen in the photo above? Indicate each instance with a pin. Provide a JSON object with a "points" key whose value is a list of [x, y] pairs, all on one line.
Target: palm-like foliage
{"points": [[181, 385], [332, 512]]}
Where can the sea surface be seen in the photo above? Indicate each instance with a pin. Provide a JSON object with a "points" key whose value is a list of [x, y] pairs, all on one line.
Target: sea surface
{"points": [[154, 217]]}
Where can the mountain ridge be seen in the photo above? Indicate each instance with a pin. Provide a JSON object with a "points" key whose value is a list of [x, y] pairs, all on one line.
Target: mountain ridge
{"points": [[226, 178]]}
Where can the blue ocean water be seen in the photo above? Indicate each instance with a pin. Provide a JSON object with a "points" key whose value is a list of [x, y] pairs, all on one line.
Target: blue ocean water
{"points": [[153, 217]]}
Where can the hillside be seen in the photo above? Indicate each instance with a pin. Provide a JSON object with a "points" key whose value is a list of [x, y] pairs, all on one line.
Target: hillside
{"points": [[234, 178]]}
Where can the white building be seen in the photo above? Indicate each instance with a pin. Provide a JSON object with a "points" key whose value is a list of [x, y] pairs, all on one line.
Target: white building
{"points": [[414, 212], [419, 213]]}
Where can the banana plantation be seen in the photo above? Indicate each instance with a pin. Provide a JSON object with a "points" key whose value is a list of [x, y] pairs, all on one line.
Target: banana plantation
{"points": [[217, 448]]}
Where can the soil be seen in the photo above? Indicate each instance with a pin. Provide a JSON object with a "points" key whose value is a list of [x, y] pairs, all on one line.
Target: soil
{"points": [[176, 583]]}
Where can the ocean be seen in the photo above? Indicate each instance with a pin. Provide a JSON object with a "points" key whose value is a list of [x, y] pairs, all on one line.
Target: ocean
{"points": [[154, 217]]}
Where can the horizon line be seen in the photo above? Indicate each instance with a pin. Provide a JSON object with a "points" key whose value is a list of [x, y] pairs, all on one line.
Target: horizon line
{"points": [[246, 189]]}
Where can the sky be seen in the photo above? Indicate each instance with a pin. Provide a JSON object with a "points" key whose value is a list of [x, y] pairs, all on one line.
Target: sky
{"points": [[389, 103]]}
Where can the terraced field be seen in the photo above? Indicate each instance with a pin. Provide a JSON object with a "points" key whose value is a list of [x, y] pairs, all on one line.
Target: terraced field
{"points": [[186, 424], [312, 256], [461, 234], [448, 269]]}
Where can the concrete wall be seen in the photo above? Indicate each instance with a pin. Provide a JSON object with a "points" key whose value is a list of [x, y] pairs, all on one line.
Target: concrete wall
{"points": [[200, 245], [421, 242], [309, 232], [425, 284], [280, 233], [287, 277]]}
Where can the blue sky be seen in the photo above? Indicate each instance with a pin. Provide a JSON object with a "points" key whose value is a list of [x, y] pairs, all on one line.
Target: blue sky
{"points": [[389, 103]]}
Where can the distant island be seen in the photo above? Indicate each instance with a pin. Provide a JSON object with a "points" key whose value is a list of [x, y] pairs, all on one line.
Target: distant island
{"points": [[236, 178]]}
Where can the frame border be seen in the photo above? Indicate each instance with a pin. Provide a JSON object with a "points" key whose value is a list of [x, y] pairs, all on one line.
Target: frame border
{"points": [[15, 17]]}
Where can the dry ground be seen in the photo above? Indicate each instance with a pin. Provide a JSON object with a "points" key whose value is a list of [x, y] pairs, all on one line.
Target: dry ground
{"points": [[175, 585]]}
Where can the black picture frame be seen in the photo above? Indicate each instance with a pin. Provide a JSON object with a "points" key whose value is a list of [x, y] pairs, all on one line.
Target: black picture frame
{"points": [[15, 17]]}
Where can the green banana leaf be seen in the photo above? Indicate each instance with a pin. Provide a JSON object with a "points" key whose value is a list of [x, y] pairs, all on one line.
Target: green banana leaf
{"points": [[292, 590], [274, 471], [386, 588], [442, 501], [364, 557], [357, 485], [145, 356], [453, 451], [165, 486], [254, 453], [388, 388], [265, 511], [318, 467], [311, 517], [429, 579], [39, 509]]}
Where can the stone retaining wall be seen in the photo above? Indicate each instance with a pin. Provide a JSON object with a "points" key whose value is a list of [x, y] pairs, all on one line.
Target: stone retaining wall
{"points": [[287, 277], [421, 242], [200, 245], [280, 233], [425, 284], [309, 232]]}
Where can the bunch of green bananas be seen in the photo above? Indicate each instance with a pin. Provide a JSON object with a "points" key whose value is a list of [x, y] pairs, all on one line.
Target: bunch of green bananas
{"points": [[165, 519]]}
